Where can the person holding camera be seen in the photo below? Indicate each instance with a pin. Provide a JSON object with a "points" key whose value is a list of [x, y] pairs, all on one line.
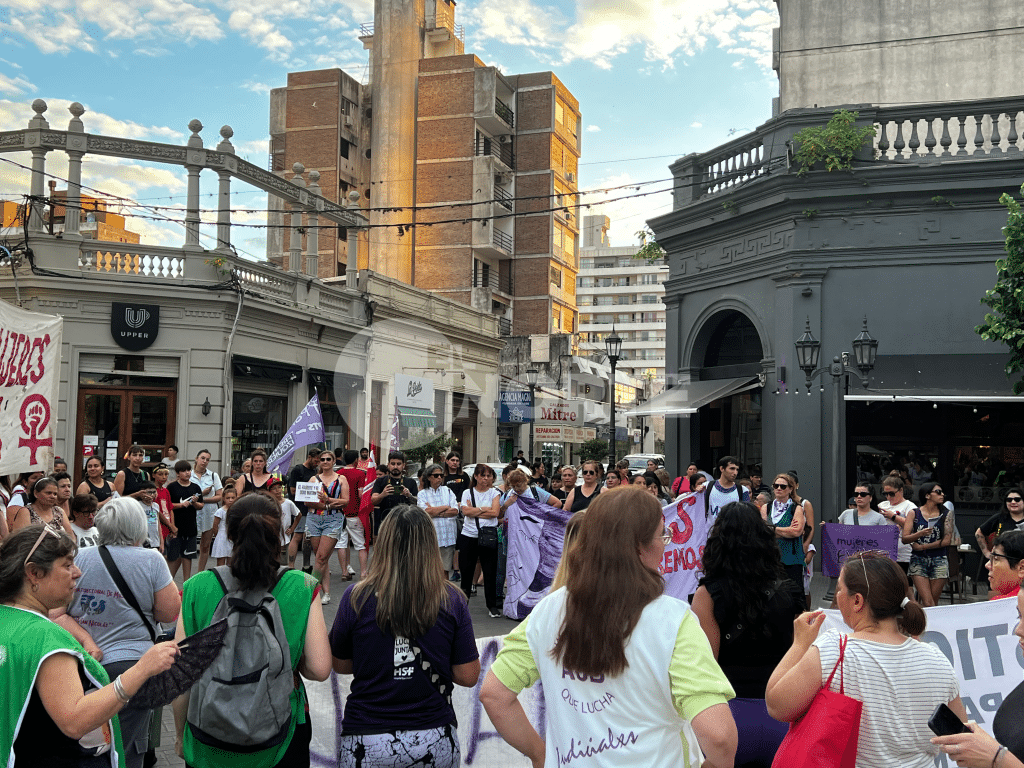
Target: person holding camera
{"points": [[392, 489]]}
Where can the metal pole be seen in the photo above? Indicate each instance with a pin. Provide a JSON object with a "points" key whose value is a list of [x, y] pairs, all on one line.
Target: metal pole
{"points": [[611, 404], [836, 443], [533, 399]]}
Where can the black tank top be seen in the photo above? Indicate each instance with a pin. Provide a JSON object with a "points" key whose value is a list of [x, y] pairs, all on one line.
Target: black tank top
{"points": [[133, 480], [579, 501], [251, 486], [104, 492]]}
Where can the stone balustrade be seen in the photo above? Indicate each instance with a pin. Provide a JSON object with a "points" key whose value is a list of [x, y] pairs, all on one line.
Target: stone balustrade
{"points": [[916, 133]]}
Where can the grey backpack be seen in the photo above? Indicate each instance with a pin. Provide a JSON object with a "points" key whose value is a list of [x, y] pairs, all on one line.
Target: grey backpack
{"points": [[241, 703]]}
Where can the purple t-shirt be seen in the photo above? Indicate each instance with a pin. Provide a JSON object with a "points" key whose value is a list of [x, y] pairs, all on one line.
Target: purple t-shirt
{"points": [[389, 692]]}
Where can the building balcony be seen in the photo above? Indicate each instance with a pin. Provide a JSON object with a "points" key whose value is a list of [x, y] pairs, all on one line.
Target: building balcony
{"points": [[503, 199], [500, 148], [492, 102], [441, 27], [493, 280], [490, 240], [918, 134]]}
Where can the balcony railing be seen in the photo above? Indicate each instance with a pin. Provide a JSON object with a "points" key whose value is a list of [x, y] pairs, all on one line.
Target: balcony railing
{"points": [[504, 111], [504, 326], [501, 239], [917, 133], [503, 198], [494, 280], [485, 145], [445, 19]]}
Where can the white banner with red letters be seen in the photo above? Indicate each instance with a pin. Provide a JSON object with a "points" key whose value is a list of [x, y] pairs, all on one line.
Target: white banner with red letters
{"points": [[687, 520], [29, 377]]}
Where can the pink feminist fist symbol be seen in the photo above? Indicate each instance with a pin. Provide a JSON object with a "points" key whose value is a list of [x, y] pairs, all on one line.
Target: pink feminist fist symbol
{"points": [[35, 418]]}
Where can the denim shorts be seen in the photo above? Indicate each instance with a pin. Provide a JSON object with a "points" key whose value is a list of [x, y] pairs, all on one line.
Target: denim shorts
{"points": [[325, 525], [929, 567]]}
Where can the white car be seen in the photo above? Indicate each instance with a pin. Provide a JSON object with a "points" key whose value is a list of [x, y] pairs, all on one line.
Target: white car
{"points": [[638, 461]]}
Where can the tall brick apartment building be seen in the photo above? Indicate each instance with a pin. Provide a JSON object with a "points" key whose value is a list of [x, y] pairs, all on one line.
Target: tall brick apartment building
{"points": [[482, 165]]}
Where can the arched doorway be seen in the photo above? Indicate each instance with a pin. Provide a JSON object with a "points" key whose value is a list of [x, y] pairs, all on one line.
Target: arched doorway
{"points": [[728, 346]]}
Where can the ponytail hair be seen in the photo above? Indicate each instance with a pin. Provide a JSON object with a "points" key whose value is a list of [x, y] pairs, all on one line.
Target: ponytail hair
{"points": [[885, 589], [254, 528]]}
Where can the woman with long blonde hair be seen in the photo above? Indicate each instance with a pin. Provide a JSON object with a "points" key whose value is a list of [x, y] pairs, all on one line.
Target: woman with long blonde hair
{"points": [[405, 634], [631, 665]]}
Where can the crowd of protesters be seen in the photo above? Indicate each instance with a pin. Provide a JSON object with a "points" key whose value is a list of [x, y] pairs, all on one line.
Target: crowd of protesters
{"points": [[89, 604]]}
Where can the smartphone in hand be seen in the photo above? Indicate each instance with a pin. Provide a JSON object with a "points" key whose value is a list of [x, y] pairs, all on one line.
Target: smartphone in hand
{"points": [[944, 722]]}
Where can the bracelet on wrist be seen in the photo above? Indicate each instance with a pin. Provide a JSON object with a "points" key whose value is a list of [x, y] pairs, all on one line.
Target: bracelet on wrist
{"points": [[119, 691], [999, 753]]}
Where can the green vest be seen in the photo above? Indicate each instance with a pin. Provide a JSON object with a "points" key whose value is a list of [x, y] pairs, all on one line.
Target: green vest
{"points": [[26, 641], [294, 594]]}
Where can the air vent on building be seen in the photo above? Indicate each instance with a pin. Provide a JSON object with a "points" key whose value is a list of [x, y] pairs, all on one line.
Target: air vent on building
{"points": [[570, 176]]}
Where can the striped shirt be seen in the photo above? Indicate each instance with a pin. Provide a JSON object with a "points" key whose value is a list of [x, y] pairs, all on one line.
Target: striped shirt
{"points": [[446, 527], [900, 686]]}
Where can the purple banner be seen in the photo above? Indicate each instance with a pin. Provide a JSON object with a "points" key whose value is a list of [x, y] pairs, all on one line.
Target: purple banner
{"points": [[838, 542], [308, 428], [536, 534]]}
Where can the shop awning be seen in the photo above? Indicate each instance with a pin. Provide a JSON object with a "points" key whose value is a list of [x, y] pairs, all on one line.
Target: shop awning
{"points": [[419, 418], [685, 399], [265, 369], [920, 395]]}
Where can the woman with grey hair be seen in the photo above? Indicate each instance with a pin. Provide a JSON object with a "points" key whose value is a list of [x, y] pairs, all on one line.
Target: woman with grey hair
{"points": [[438, 501], [123, 592]]}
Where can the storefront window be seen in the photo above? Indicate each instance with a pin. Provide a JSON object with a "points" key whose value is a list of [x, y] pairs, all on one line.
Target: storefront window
{"points": [[257, 421]]}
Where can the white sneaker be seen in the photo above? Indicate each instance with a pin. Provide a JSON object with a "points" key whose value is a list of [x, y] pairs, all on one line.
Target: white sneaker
{"points": [[325, 598], [351, 571]]}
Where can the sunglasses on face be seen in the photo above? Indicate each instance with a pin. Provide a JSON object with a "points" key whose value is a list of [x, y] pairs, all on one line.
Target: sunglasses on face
{"points": [[436, 474], [861, 494], [589, 472], [1013, 499], [780, 486], [326, 458], [888, 493], [939, 492]]}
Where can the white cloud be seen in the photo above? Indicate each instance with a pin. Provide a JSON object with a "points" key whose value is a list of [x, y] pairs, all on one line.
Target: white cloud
{"points": [[695, 124], [261, 88], [16, 86], [61, 26], [606, 29], [593, 129]]}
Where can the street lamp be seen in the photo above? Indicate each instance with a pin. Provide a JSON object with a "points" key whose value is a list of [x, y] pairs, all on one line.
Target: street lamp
{"points": [[808, 350], [532, 374], [613, 347]]}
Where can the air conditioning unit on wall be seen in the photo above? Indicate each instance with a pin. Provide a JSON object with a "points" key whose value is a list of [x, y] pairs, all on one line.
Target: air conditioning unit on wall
{"points": [[570, 176]]}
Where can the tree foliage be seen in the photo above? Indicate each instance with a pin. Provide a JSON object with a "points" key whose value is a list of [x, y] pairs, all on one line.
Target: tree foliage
{"points": [[1006, 322], [594, 450], [833, 144], [649, 251], [426, 452]]}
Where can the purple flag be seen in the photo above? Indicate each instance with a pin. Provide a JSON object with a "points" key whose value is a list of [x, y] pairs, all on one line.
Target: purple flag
{"points": [[308, 428], [838, 542]]}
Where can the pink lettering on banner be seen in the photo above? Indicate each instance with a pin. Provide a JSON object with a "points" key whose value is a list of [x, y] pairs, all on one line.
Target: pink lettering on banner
{"points": [[686, 519]]}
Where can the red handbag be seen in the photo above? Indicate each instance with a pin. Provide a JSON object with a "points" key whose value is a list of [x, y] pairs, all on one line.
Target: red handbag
{"points": [[826, 735]]}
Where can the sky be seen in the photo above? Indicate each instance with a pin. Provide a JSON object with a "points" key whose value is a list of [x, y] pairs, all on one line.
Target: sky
{"points": [[656, 79]]}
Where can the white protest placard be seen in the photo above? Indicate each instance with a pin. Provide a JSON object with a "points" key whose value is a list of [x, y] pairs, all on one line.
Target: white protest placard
{"points": [[309, 492], [29, 375]]}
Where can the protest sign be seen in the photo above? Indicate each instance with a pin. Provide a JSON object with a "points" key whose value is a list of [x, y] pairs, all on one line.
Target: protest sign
{"points": [[536, 533], [686, 519], [838, 542], [29, 376], [977, 639], [307, 492]]}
